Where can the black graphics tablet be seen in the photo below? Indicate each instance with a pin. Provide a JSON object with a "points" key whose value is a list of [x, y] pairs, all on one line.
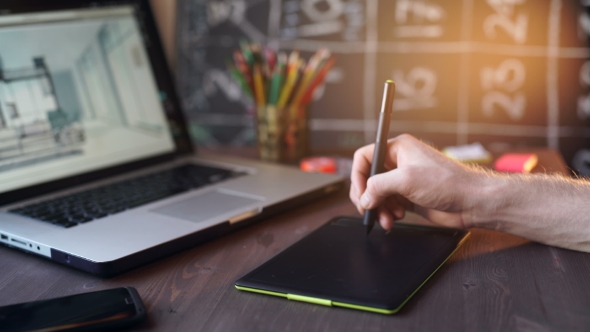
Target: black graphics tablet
{"points": [[339, 265]]}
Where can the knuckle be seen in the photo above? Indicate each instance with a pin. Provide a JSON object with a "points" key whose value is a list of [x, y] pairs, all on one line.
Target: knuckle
{"points": [[359, 153], [405, 137]]}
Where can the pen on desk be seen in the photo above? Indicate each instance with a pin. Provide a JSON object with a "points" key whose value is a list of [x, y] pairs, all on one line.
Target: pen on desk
{"points": [[380, 145]]}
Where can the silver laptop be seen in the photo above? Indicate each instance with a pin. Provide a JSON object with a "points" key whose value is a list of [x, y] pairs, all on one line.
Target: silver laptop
{"points": [[96, 167]]}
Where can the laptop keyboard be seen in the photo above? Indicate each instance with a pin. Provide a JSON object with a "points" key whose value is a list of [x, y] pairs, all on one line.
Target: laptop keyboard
{"points": [[85, 206]]}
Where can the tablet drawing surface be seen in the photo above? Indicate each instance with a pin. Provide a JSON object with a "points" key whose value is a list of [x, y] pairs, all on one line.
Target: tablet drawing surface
{"points": [[339, 265]]}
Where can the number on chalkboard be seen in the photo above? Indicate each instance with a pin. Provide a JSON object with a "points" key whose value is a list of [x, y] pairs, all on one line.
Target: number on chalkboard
{"points": [[216, 80], [221, 11], [326, 18], [330, 9], [416, 88], [508, 77], [516, 27], [422, 12], [513, 105]]}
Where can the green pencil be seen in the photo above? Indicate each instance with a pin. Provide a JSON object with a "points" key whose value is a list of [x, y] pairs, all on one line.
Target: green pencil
{"points": [[247, 52], [240, 78], [277, 81]]}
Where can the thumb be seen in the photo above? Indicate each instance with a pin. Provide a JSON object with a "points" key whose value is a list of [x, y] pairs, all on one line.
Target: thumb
{"points": [[379, 187]]}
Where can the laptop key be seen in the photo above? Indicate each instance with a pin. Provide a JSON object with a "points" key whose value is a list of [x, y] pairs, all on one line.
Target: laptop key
{"points": [[51, 217], [64, 222], [79, 218]]}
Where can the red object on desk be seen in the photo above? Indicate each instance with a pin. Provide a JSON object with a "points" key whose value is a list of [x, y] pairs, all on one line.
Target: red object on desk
{"points": [[516, 162], [318, 164]]}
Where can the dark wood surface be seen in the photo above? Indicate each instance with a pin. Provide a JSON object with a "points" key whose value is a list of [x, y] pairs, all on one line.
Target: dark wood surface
{"points": [[495, 282]]}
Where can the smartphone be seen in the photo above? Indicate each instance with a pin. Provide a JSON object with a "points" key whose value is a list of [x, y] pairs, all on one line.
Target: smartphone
{"points": [[102, 310]]}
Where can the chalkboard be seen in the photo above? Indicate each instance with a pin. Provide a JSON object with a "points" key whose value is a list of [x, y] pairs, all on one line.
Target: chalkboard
{"points": [[507, 73]]}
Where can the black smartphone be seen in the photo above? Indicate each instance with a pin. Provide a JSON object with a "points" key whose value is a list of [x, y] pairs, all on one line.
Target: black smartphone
{"points": [[103, 310]]}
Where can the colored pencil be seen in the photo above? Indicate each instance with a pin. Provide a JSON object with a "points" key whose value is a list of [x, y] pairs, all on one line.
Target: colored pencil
{"points": [[309, 73], [240, 79], [242, 65], [258, 85], [317, 81], [272, 78], [275, 85], [247, 52]]}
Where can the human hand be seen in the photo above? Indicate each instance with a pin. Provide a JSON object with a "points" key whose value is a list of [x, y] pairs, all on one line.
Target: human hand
{"points": [[417, 178]]}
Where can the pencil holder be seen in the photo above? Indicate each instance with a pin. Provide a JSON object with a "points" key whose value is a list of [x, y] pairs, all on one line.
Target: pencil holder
{"points": [[282, 134]]}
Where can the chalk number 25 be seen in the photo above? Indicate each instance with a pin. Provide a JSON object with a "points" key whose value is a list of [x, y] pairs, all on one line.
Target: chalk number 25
{"points": [[502, 84]]}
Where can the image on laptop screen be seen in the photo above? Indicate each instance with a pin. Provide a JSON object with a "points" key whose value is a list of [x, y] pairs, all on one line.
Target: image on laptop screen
{"points": [[77, 94]]}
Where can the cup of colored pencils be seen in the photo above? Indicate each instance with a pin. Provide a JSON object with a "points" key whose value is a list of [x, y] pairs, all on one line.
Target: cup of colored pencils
{"points": [[282, 86]]}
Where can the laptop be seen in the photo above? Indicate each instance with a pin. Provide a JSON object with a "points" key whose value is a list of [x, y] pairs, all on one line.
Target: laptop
{"points": [[97, 170]]}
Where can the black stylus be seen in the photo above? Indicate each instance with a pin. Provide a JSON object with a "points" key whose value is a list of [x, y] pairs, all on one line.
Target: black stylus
{"points": [[380, 144]]}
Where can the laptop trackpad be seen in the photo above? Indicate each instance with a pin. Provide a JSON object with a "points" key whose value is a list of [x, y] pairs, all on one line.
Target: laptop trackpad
{"points": [[206, 206]]}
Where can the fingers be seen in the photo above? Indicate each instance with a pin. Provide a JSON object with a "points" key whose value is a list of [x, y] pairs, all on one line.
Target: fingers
{"points": [[363, 157], [381, 186], [418, 173], [361, 168], [361, 164], [386, 219], [388, 213]]}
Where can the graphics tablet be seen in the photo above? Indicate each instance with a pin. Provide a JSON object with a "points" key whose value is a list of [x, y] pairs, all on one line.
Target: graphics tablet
{"points": [[339, 265]]}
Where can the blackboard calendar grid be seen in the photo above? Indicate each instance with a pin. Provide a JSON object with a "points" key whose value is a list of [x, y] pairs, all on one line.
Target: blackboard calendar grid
{"points": [[506, 73]]}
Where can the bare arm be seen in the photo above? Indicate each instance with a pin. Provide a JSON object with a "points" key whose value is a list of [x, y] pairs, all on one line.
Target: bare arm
{"points": [[546, 208], [550, 209]]}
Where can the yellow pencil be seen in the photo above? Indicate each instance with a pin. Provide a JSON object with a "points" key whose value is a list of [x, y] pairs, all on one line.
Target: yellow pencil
{"points": [[258, 85], [308, 75], [292, 72]]}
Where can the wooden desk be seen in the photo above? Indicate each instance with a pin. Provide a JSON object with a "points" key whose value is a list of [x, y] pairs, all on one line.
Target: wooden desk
{"points": [[495, 282]]}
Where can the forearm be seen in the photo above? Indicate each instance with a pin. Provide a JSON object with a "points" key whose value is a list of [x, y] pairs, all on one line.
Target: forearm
{"points": [[545, 208]]}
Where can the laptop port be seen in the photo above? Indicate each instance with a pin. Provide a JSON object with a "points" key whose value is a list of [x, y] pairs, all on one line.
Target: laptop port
{"points": [[4, 237], [19, 242]]}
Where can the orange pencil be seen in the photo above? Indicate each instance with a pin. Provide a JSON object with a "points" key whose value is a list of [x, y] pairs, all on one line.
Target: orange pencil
{"points": [[310, 72], [317, 81]]}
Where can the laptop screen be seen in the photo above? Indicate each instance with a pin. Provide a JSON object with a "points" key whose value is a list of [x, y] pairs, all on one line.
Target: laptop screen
{"points": [[77, 94]]}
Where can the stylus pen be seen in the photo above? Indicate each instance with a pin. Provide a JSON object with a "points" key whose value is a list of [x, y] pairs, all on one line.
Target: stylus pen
{"points": [[380, 145]]}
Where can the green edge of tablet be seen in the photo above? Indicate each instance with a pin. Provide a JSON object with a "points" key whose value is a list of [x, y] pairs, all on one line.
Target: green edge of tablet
{"points": [[330, 303]]}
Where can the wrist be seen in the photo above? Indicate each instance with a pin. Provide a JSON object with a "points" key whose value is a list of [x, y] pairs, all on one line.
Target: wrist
{"points": [[489, 198]]}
